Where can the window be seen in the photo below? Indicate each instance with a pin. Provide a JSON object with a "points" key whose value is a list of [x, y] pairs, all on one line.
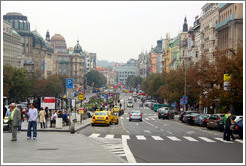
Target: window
{"points": [[196, 54]]}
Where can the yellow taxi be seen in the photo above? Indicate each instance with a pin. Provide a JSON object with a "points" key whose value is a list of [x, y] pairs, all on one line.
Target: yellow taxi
{"points": [[116, 109], [125, 90], [100, 117], [113, 117]]}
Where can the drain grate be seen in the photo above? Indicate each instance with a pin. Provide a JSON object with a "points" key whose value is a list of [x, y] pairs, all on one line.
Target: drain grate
{"points": [[47, 149]]}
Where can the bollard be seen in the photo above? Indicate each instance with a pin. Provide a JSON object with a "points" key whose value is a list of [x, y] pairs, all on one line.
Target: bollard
{"points": [[72, 128]]}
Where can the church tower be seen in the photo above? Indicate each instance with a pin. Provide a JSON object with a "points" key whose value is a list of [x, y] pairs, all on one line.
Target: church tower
{"points": [[185, 25], [47, 36]]}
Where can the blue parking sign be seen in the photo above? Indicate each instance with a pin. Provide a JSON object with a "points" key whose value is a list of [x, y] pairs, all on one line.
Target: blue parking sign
{"points": [[69, 83]]}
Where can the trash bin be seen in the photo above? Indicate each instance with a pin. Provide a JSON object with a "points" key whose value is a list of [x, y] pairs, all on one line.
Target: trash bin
{"points": [[58, 123]]}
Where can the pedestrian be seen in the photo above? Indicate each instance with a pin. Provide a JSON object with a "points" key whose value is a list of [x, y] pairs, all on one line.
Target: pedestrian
{"points": [[229, 128], [53, 119], [14, 120], [32, 122], [42, 115], [65, 118], [225, 129], [46, 116], [120, 105], [4, 111], [22, 118]]}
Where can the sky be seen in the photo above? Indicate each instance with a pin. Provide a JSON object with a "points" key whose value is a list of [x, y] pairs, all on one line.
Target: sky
{"points": [[115, 30]]}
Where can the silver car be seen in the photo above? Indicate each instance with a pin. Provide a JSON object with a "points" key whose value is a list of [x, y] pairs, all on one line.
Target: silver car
{"points": [[135, 115]]}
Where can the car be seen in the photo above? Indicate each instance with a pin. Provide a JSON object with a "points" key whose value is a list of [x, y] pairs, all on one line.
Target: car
{"points": [[113, 117], [238, 128], [220, 124], [204, 120], [191, 118], [149, 102], [130, 104], [199, 118], [135, 115], [100, 117], [165, 113], [183, 114], [116, 108], [213, 120]]}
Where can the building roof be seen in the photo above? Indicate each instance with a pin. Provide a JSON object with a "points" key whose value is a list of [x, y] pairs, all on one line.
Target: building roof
{"points": [[78, 48], [57, 37]]}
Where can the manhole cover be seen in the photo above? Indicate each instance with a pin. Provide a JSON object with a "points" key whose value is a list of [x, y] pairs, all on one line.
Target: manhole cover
{"points": [[47, 149]]}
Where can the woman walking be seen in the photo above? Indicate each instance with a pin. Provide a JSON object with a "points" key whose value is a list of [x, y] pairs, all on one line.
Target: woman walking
{"points": [[42, 114]]}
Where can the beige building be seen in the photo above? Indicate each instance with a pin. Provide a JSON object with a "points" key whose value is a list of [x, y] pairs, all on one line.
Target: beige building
{"points": [[230, 25], [209, 19], [78, 65], [196, 38], [12, 48]]}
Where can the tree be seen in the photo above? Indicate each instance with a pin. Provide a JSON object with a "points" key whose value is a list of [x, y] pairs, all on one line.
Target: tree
{"points": [[134, 81], [96, 79]]}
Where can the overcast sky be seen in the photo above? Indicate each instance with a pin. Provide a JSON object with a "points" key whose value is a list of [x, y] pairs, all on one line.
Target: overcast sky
{"points": [[115, 30]]}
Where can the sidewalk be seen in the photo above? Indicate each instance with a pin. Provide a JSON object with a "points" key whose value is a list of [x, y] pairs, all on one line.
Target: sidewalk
{"points": [[78, 126], [55, 147]]}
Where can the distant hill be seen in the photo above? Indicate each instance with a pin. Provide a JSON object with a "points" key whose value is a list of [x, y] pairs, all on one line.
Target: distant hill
{"points": [[105, 63]]}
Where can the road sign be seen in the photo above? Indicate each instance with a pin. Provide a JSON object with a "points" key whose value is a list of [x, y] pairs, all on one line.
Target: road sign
{"points": [[73, 103], [69, 83], [185, 99], [70, 93], [81, 97]]}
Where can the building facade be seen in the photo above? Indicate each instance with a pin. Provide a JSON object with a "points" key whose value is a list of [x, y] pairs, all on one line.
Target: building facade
{"points": [[209, 37], [123, 71], [155, 52], [196, 38], [12, 47], [230, 25]]}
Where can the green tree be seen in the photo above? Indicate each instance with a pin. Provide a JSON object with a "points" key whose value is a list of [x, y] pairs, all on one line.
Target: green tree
{"points": [[96, 79]]}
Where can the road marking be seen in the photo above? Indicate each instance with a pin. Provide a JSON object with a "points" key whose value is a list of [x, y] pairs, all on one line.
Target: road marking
{"points": [[156, 127], [109, 136], [148, 123], [137, 124], [190, 132], [173, 138], [191, 139], [152, 118], [165, 124], [140, 137], [221, 139], [162, 130], [129, 156], [206, 139], [146, 131], [94, 135], [169, 132], [147, 118], [127, 117], [240, 141], [150, 114], [157, 138]]}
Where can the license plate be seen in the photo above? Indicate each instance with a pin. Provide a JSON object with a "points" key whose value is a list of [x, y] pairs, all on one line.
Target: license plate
{"points": [[100, 118]]}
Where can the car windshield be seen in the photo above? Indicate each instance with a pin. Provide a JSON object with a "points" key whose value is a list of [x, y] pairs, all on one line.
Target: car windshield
{"points": [[163, 111], [116, 107], [101, 113], [135, 111], [130, 102]]}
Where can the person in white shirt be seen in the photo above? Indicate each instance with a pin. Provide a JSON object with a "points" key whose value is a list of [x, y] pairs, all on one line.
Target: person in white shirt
{"points": [[53, 119], [32, 122]]}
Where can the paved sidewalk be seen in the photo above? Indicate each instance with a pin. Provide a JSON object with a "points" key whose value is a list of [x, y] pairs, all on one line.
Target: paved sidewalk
{"points": [[78, 126], [55, 147]]}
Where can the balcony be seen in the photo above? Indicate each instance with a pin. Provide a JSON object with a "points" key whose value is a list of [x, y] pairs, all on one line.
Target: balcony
{"points": [[211, 50], [212, 25], [212, 37], [223, 22]]}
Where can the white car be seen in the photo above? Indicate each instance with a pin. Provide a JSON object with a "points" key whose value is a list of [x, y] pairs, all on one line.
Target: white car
{"points": [[130, 104]]}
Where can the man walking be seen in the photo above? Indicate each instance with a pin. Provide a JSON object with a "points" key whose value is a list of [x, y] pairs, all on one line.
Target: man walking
{"points": [[225, 129], [32, 122], [15, 118]]}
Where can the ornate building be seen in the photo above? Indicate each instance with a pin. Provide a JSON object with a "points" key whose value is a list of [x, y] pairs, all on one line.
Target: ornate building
{"points": [[63, 57], [230, 25], [78, 65], [12, 47], [155, 55]]}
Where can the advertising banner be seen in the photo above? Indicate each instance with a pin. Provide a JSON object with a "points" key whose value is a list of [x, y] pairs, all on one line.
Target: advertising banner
{"points": [[49, 102]]}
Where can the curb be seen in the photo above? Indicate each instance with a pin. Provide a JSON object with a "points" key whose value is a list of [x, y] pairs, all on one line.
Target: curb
{"points": [[82, 127]]}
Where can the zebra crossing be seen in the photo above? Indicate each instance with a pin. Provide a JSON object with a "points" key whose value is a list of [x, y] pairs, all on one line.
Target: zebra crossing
{"points": [[149, 118], [165, 138]]}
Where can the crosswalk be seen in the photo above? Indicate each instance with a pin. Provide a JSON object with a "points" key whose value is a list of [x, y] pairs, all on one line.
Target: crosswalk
{"points": [[152, 118], [144, 114], [164, 138]]}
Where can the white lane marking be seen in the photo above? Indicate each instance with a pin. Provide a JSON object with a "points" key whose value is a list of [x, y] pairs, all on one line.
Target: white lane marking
{"points": [[109, 136], [127, 118], [191, 139], [147, 118], [173, 138], [94, 135], [156, 127], [221, 139], [238, 140], [137, 124], [190, 132], [162, 130], [152, 118], [146, 131], [128, 153], [157, 138], [169, 132], [121, 117], [150, 114], [140, 137], [206, 139], [165, 124], [148, 123]]}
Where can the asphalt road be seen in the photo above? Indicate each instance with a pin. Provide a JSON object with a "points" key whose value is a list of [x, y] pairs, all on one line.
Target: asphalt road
{"points": [[164, 141]]}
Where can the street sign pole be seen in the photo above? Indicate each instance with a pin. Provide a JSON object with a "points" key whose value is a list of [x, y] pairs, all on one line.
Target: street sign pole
{"points": [[69, 89]]}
